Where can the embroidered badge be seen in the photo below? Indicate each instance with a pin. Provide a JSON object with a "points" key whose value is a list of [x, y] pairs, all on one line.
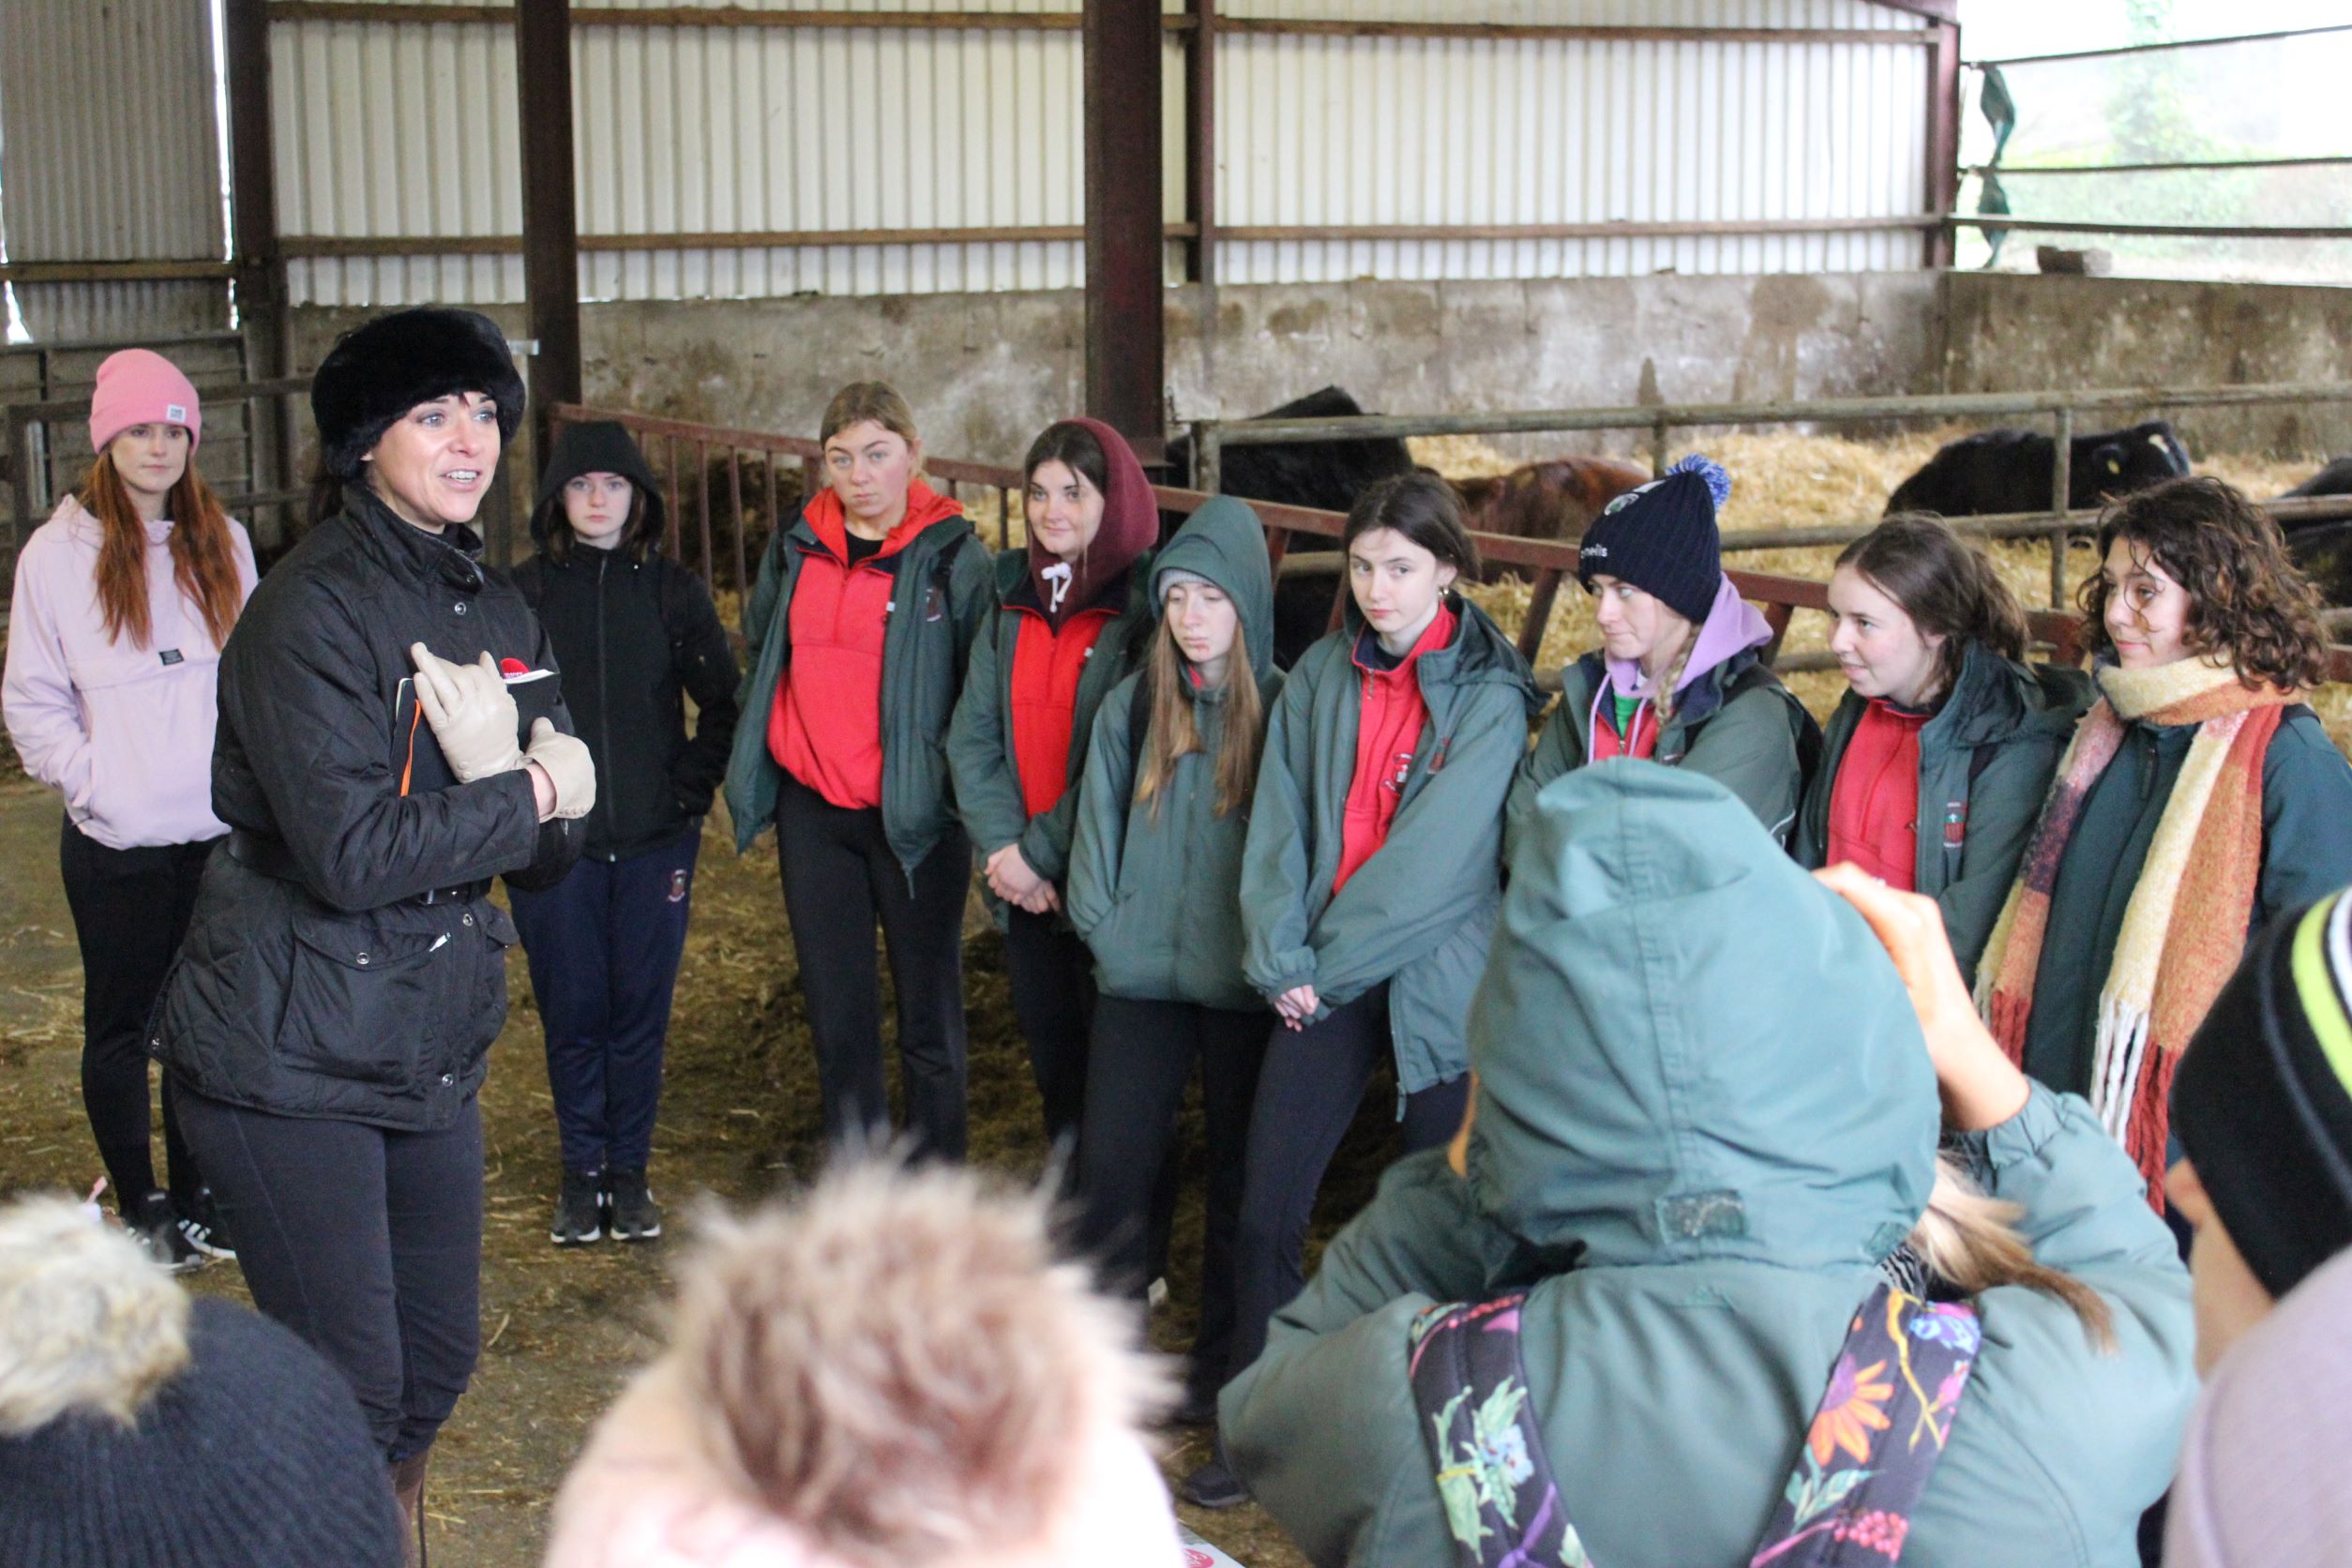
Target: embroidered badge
{"points": [[677, 887], [170, 655]]}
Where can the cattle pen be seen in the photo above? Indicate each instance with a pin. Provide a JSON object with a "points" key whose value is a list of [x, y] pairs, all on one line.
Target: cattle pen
{"points": [[2059, 525], [722, 456]]}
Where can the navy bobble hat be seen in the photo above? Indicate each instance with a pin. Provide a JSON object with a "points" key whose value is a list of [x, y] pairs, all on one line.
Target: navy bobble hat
{"points": [[1662, 538], [253, 1455]]}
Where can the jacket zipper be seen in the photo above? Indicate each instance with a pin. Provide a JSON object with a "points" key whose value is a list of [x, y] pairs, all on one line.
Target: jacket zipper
{"points": [[604, 659]]}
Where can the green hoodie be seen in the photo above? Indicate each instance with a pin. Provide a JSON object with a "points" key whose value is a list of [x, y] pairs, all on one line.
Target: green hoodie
{"points": [[1156, 894], [1420, 912], [1705, 1114], [1984, 765], [925, 648]]}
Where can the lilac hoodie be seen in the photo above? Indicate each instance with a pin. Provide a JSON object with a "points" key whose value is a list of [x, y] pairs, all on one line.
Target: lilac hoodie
{"points": [[124, 732], [1732, 625], [2265, 1475]]}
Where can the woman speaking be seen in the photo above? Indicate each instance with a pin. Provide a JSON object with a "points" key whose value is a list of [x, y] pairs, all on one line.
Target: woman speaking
{"points": [[330, 1012]]}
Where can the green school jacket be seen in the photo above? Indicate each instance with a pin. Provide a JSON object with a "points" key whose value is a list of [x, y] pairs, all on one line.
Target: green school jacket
{"points": [[1737, 724], [940, 598], [1419, 913], [1156, 894], [1705, 1114], [980, 741], [1984, 765]]}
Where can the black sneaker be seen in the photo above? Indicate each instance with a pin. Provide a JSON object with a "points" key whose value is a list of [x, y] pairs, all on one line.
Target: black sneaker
{"points": [[579, 1210], [155, 1226], [206, 1230], [635, 1215], [1213, 1485]]}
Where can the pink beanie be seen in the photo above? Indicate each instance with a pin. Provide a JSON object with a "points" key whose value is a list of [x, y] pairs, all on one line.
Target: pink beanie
{"points": [[139, 386]]}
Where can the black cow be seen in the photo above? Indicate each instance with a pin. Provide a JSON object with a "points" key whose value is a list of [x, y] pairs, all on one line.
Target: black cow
{"points": [[1326, 475], [2322, 546], [2009, 471], [2334, 479]]}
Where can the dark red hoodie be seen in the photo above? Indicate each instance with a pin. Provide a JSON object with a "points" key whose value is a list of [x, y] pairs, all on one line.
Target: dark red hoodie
{"points": [[825, 727], [1062, 618]]}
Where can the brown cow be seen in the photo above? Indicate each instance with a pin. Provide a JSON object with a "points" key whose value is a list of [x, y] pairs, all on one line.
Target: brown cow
{"points": [[1554, 500]]}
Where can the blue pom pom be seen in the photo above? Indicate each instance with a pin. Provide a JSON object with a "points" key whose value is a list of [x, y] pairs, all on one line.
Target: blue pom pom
{"points": [[1718, 482]]}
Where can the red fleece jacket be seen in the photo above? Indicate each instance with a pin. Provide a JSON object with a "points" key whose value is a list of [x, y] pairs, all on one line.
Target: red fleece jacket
{"points": [[1873, 804], [1390, 717], [825, 727]]}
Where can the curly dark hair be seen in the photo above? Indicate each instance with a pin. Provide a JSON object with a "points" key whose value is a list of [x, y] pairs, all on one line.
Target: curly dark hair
{"points": [[2247, 601]]}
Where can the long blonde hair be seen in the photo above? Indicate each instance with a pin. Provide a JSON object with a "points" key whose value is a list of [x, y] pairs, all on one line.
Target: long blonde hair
{"points": [[1970, 1242], [1175, 729]]}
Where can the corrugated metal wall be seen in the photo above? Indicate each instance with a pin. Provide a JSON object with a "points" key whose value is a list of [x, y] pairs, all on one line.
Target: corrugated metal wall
{"points": [[408, 129], [110, 151], [1382, 130]]}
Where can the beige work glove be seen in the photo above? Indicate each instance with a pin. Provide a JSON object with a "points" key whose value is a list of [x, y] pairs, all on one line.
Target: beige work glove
{"points": [[471, 712], [568, 767]]}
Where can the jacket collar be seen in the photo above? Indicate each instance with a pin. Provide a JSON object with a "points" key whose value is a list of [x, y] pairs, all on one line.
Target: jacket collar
{"points": [[452, 558]]}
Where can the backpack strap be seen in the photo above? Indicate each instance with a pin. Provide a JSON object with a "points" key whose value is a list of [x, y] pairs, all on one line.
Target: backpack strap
{"points": [[1876, 1435], [1501, 1503]]}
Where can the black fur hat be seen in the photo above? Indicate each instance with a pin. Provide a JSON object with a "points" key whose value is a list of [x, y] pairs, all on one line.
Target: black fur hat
{"points": [[378, 371]]}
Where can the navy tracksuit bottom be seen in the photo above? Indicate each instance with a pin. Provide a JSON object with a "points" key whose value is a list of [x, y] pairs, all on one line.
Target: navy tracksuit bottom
{"points": [[603, 945]]}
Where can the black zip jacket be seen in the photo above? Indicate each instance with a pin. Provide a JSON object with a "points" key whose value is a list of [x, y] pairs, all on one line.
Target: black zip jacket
{"points": [[345, 960], [634, 638]]}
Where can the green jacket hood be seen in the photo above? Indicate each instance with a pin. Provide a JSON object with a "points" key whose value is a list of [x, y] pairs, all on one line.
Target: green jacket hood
{"points": [[1225, 542], [1688, 1048]]}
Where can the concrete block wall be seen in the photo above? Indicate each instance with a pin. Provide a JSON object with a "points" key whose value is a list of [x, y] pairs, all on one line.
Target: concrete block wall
{"points": [[986, 372], [2013, 332]]}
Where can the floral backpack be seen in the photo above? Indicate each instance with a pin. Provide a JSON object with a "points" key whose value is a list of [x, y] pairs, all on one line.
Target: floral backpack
{"points": [[1872, 1445]]}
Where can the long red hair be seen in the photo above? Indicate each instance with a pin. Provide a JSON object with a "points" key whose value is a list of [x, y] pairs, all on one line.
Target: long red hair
{"points": [[203, 553]]}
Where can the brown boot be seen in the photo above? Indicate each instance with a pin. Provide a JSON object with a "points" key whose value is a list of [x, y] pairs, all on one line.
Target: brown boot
{"points": [[408, 1485]]}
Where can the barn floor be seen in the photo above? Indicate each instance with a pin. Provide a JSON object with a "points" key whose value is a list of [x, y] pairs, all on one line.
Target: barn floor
{"points": [[739, 1120], [564, 1329]]}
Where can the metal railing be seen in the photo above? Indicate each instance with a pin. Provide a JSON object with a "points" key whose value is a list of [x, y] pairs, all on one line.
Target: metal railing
{"points": [[1550, 559], [2059, 525]]}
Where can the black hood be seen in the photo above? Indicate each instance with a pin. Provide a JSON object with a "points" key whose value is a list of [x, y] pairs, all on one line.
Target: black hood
{"points": [[599, 447]]}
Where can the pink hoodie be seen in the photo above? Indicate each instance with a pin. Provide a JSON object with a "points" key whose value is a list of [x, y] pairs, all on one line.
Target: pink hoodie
{"points": [[124, 732]]}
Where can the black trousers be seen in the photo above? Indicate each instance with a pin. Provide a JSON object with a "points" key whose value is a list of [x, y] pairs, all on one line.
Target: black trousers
{"points": [[1051, 975], [367, 1242], [1142, 1057], [130, 912], [841, 880], [1308, 1089]]}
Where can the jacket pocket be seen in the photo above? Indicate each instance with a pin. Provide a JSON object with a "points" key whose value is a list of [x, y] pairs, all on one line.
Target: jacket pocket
{"points": [[498, 935], [363, 997]]}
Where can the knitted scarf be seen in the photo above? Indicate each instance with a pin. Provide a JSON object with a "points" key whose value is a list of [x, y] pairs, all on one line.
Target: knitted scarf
{"points": [[2203, 864]]}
